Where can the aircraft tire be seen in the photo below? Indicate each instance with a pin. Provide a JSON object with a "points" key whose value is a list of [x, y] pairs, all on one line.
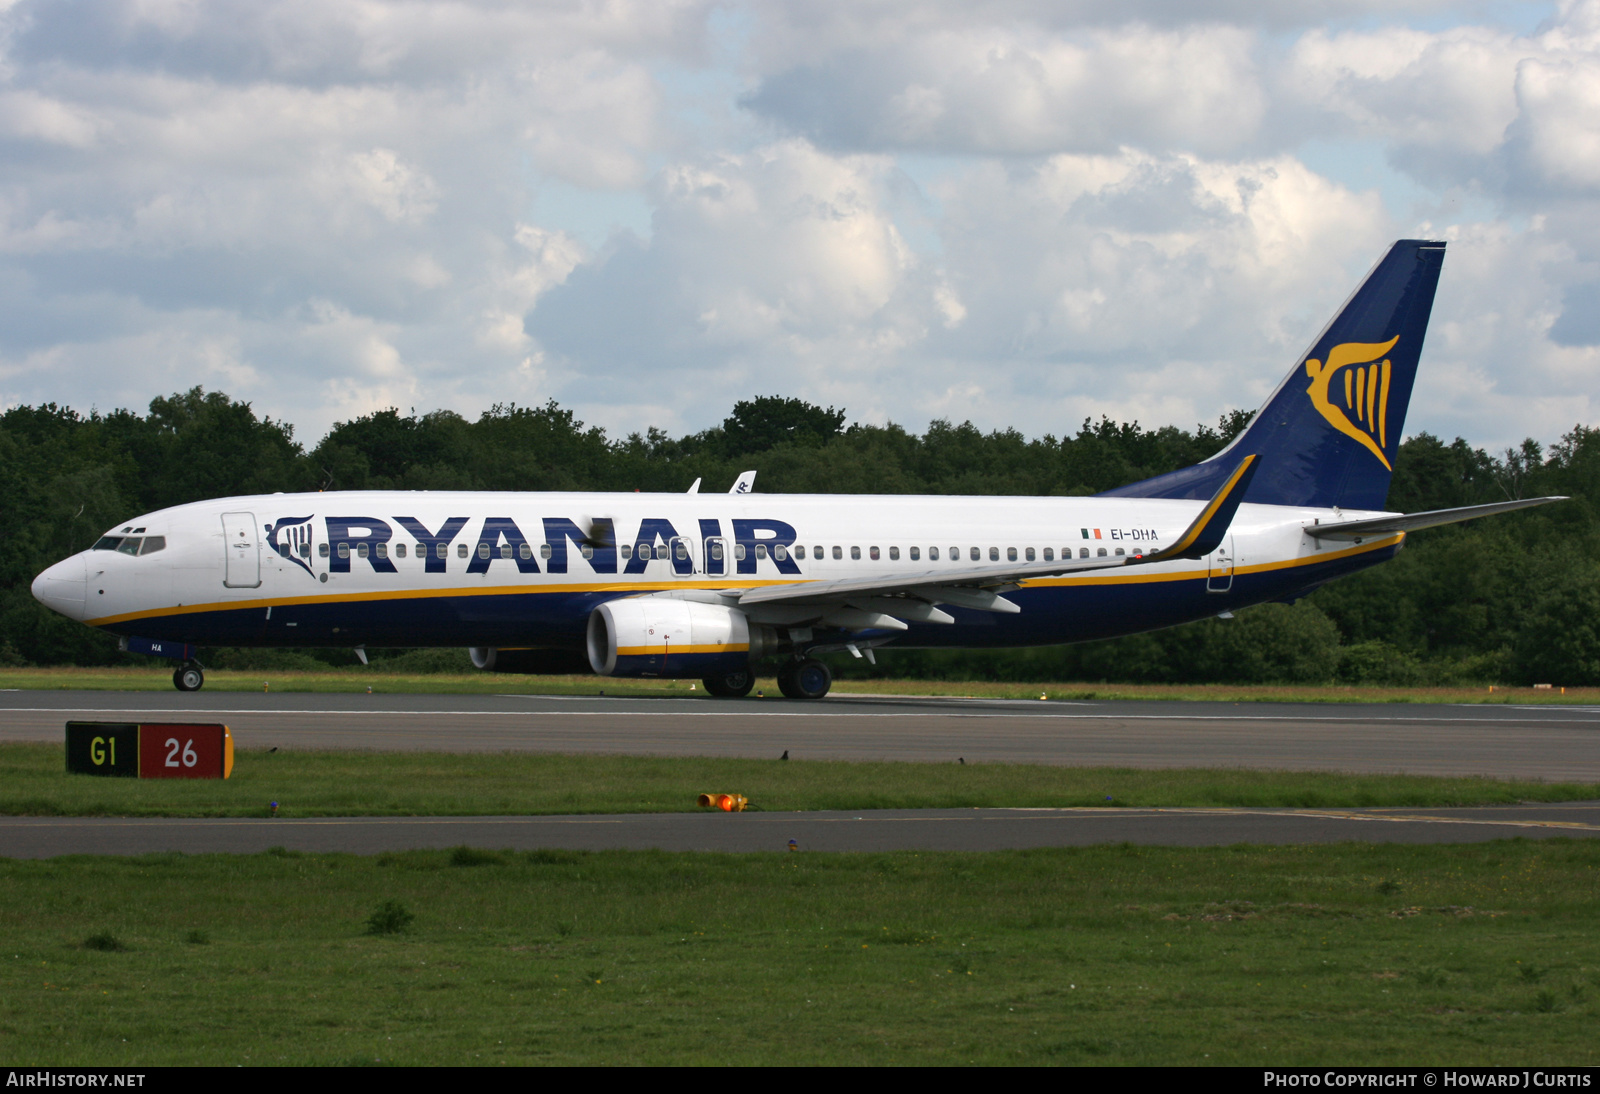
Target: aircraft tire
{"points": [[808, 679], [188, 678], [731, 685]]}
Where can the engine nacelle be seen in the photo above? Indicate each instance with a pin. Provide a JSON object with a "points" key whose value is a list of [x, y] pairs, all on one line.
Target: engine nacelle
{"points": [[531, 661], [664, 636]]}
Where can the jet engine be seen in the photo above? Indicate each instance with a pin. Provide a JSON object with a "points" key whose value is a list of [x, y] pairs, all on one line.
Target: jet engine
{"points": [[664, 636]]}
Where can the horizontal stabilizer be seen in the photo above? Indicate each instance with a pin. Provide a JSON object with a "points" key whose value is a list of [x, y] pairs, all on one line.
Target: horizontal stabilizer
{"points": [[1410, 522]]}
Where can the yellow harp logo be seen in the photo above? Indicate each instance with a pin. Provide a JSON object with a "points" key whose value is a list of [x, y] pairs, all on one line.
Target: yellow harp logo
{"points": [[1366, 392]]}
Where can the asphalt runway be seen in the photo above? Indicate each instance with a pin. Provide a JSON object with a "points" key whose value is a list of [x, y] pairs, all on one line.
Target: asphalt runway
{"points": [[869, 830], [1552, 743]]}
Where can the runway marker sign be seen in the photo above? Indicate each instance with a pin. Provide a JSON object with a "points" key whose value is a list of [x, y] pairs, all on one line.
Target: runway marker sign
{"points": [[165, 750]]}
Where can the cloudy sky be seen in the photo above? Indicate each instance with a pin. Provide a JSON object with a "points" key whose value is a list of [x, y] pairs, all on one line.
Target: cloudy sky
{"points": [[1021, 213]]}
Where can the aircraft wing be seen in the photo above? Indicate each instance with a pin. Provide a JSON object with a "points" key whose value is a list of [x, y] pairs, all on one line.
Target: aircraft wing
{"points": [[1410, 522], [979, 587]]}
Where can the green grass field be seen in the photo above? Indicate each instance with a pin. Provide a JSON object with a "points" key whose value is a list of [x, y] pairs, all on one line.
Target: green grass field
{"points": [[1345, 954], [359, 679], [33, 781], [1349, 954]]}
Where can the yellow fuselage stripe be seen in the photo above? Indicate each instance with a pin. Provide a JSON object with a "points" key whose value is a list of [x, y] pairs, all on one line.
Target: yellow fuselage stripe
{"points": [[668, 648]]}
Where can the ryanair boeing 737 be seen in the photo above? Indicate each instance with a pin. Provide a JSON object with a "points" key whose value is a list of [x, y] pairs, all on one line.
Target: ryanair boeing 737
{"points": [[707, 585]]}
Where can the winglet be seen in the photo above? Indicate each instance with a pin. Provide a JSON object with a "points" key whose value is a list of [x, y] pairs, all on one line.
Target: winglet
{"points": [[1205, 534]]}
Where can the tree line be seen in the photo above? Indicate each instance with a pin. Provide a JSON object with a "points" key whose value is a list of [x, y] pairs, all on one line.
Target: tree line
{"points": [[1512, 599]]}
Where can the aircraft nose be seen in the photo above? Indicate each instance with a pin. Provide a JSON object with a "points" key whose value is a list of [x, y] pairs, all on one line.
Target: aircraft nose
{"points": [[63, 587]]}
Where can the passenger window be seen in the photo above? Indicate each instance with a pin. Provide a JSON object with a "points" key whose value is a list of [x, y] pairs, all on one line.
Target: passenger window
{"points": [[1030, 554], [362, 550], [680, 550], [955, 554], [837, 554], [994, 554], [505, 550], [399, 550], [975, 554], [1083, 552], [586, 551], [305, 549], [855, 553], [933, 554], [1011, 554], [344, 550], [461, 551], [626, 551], [152, 544], [916, 554], [1049, 554], [894, 554], [441, 551], [1120, 551], [800, 552], [780, 552], [544, 551], [738, 552], [1101, 552], [322, 550], [129, 546], [761, 550], [383, 550], [716, 550], [816, 552], [872, 553], [483, 550], [643, 552]]}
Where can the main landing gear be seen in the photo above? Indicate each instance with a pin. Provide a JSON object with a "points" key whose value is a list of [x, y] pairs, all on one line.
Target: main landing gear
{"points": [[808, 679], [188, 676], [732, 685]]}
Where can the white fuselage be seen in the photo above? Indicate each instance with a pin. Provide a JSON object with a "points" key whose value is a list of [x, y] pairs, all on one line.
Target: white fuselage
{"points": [[525, 569]]}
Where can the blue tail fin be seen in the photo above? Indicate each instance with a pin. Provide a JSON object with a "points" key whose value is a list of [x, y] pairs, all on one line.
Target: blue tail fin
{"points": [[1328, 435]]}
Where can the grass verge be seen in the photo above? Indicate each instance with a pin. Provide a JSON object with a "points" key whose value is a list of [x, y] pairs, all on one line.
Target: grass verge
{"points": [[310, 784], [1344, 954], [359, 679]]}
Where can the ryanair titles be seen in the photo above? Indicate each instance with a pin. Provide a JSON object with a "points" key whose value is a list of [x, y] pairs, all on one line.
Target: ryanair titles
{"points": [[341, 542]]}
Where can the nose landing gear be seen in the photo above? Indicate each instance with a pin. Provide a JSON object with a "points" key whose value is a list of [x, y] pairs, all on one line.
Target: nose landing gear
{"points": [[188, 676]]}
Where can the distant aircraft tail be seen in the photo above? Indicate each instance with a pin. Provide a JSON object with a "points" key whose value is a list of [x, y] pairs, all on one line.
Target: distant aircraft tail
{"points": [[1329, 433]]}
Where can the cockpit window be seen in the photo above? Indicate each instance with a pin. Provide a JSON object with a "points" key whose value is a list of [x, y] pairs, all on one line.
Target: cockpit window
{"points": [[131, 545]]}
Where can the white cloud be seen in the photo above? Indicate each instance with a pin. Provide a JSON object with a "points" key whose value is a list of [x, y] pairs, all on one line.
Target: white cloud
{"points": [[1026, 212], [1016, 91]]}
